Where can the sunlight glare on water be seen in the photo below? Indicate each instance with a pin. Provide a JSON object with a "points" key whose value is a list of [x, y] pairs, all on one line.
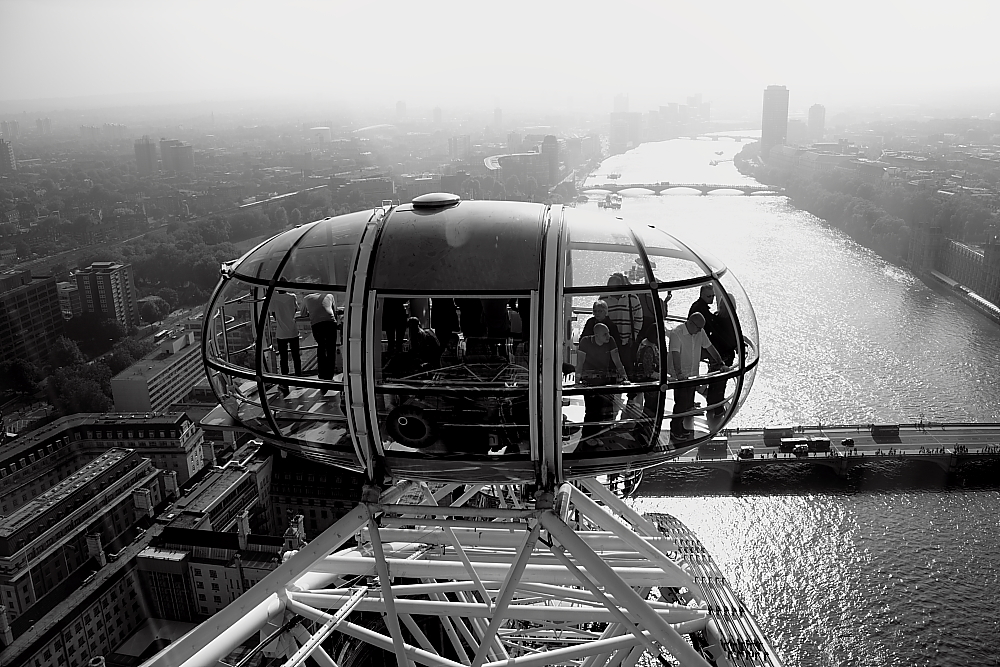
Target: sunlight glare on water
{"points": [[836, 579]]}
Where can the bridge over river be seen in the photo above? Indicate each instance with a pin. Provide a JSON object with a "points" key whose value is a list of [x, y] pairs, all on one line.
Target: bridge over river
{"points": [[704, 188], [943, 445]]}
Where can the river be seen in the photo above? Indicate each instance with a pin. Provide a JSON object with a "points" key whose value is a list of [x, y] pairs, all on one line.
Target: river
{"points": [[881, 573]]}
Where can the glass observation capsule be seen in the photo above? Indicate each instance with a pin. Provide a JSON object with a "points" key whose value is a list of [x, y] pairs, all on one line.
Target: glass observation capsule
{"points": [[471, 341]]}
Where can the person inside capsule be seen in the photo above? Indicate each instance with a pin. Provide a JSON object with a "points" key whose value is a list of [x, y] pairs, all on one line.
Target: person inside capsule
{"points": [[469, 395]]}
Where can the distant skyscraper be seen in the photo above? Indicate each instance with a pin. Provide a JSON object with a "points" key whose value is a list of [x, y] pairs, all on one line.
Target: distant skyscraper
{"points": [[437, 115], [176, 156], [90, 133], [107, 288], [514, 141], [115, 131], [459, 148], [550, 150], [497, 118], [10, 129], [774, 119], [621, 103], [44, 126], [8, 164], [626, 132], [817, 121], [145, 156]]}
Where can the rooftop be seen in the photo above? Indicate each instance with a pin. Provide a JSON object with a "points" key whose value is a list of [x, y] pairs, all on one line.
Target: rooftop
{"points": [[211, 489], [20, 446], [160, 553], [35, 507], [177, 345]]}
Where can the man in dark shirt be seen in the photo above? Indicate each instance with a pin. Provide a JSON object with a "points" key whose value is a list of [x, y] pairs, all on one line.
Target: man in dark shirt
{"points": [[424, 345], [724, 340], [703, 305]]}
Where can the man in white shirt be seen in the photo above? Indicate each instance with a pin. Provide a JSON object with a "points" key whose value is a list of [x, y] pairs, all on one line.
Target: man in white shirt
{"points": [[686, 343], [284, 306]]}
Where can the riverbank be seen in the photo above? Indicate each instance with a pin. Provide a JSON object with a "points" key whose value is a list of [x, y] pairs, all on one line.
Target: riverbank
{"points": [[879, 219]]}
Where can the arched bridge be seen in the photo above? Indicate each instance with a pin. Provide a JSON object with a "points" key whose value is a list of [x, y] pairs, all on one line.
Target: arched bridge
{"points": [[704, 188]]}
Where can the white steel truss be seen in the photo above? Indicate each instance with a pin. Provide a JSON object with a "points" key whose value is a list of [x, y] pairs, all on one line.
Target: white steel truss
{"points": [[577, 578]]}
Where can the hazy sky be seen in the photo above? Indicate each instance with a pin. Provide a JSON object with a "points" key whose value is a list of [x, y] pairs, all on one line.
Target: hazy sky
{"points": [[515, 54]]}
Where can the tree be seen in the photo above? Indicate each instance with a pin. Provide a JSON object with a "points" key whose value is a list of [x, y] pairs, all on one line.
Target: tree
{"points": [[295, 218], [169, 296], [153, 309], [215, 230], [280, 218], [81, 388], [94, 333], [20, 376], [82, 226], [49, 226], [65, 352]]}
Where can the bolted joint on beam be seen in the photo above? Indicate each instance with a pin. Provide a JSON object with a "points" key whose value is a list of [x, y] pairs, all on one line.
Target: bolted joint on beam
{"points": [[544, 500], [370, 494]]}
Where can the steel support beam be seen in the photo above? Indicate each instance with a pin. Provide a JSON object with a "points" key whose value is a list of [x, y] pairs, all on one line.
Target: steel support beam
{"points": [[391, 619], [507, 590], [600, 517], [212, 640], [602, 572], [346, 565]]}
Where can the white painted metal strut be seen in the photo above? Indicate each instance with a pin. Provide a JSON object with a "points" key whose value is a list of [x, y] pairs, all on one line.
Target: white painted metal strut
{"points": [[513, 586]]}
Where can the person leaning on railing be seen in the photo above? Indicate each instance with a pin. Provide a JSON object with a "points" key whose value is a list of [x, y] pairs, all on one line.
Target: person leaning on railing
{"points": [[686, 344], [322, 311]]}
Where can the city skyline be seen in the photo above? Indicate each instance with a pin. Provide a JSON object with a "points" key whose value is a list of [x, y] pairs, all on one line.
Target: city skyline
{"points": [[654, 54]]}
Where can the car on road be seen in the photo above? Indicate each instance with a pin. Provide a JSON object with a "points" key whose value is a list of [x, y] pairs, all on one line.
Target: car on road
{"points": [[746, 452], [847, 442]]}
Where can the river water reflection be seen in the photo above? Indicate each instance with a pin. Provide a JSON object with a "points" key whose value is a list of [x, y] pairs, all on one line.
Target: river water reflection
{"points": [[837, 577], [846, 337]]}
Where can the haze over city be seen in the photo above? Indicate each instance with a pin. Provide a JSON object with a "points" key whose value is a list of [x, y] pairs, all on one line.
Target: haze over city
{"points": [[518, 55], [272, 274]]}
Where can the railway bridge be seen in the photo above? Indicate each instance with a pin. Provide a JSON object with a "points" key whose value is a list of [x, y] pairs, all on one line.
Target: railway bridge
{"points": [[945, 445], [704, 188]]}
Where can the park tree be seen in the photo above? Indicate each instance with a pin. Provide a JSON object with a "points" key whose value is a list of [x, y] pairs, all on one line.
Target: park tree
{"points": [[169, 295], [280, 218], [213, 231], [20, 376], [295, 218], [153, 309], [79, 394], [83, 224], [94, 333], [65, 352]]}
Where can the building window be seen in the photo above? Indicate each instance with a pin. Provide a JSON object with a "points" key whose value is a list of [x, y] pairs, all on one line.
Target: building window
{"points": [[218, 600], [201, 585], [213, 574], [201, 596], [197, 571], [215, 587]]}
